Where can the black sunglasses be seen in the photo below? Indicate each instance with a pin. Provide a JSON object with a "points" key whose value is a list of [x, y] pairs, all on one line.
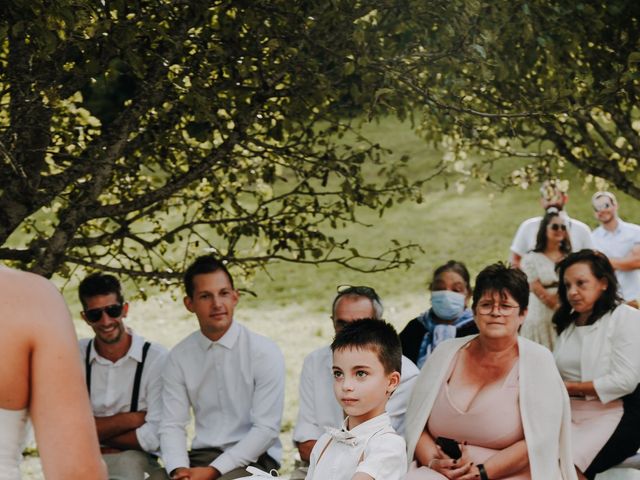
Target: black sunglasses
{"points": [[557, 226], [95, 314]]}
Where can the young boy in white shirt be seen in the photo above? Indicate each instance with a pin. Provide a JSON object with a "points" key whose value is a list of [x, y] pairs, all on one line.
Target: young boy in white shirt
{"points": [[367, 359]]}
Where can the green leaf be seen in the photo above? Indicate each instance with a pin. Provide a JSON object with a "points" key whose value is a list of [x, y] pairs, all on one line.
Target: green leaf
{"points": [[634, 57]]}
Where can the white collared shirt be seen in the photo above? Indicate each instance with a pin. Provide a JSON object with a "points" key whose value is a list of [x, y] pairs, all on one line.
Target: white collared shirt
{"points": [[524, 240], [236, 389], [373, 447], [112, 386], [618, 244], [318, 407]]}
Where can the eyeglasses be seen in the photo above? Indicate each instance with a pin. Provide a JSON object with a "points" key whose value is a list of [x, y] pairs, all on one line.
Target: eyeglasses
{"points": [[95, 314], [558, 226], [602, 206], [504, 309], [358, 290]]}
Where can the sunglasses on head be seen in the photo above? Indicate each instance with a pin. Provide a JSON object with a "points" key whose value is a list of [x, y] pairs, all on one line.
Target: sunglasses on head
{"points": [[95, 314], [557, 226], [358, 290]]}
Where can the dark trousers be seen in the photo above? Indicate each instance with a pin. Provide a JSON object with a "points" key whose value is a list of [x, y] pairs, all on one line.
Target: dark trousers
{"points": [[625, 440], [202, 457]]}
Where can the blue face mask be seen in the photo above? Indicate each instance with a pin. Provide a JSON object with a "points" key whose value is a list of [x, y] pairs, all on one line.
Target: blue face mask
{"points": [[447, 305]]}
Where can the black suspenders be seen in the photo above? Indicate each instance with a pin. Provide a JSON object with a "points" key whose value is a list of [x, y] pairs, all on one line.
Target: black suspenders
{"points": [[136, 379]]}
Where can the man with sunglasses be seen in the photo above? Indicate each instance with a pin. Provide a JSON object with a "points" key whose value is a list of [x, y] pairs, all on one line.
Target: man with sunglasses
{"points": [[620, 241], [553, 197], [123, 375], [318, 405]]}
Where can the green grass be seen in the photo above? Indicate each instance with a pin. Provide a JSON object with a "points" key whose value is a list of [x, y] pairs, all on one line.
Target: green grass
{"points": [[292, 301]]}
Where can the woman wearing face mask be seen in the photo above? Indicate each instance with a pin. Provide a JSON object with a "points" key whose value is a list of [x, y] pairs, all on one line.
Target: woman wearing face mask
{"points": [[448, 316]]}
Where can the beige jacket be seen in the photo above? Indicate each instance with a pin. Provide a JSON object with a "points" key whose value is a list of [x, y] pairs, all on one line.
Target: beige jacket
{"points": [[544, 406]]}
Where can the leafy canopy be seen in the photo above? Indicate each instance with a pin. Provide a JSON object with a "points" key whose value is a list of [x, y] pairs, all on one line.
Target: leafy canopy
{"points": [[135, 135]]}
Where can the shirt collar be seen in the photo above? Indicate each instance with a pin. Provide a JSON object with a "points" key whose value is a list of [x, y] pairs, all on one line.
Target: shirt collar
{"points": [[135, 350], [369, 427], [228, 340]]}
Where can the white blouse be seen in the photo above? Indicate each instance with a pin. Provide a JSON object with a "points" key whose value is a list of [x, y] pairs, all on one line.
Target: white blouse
{"points": [[609, 354], [568, 358]]}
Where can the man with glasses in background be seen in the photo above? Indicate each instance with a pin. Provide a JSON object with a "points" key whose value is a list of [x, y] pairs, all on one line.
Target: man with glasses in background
{"points": [[620, 241], [318, 405], [123, 375]]}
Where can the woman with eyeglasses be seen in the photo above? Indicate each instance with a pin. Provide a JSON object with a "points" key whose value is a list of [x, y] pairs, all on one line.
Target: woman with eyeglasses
{"points": [[41, 379], [491, 406], [448, 316], [552, 245], [598, 355]]}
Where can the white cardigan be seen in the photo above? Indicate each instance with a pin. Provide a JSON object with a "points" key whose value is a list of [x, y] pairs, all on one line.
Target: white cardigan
{"points": [[610, 353], [544, 406]]}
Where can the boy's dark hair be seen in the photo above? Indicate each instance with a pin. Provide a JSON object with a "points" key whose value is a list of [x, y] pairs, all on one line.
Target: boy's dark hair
{"points": [[502, 279], [372, 334], [203, 264], [99, 284]]}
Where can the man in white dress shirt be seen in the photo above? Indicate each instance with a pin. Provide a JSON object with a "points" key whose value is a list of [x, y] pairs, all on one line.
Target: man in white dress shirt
{"points": [[232, 378], [123, 373], [318, 406], [552, 196], [620, 241]]}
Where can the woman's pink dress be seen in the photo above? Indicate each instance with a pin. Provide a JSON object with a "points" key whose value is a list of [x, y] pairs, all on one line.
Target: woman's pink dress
{"points": [[491, 423]]}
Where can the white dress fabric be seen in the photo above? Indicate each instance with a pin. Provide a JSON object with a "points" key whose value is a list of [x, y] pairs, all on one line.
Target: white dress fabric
{"points": [[13, 428], [537, 326], [373, 448]]}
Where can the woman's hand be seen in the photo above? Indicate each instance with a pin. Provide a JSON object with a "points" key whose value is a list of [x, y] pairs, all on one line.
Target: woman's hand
{"points": [[552, 301], [580, 389], [454, 469], [472, 474]]}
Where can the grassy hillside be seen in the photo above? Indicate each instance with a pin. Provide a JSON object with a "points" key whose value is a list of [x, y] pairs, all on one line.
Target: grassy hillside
{"points": [[292, 302]]}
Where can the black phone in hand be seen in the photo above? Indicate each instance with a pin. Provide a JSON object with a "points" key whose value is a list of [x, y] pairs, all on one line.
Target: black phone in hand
{"points": [[450, 447]]}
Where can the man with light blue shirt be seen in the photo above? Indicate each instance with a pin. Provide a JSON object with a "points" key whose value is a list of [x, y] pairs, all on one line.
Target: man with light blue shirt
{"points": [[232, 378], [620, 241]]}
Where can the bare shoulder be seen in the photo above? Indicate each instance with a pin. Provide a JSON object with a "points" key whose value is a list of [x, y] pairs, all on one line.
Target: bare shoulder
{"points": [[29, 299]]}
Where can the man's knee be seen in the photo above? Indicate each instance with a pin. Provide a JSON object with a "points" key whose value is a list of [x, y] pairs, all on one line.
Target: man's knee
{"points": [[160, 474], [130, 465]]}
